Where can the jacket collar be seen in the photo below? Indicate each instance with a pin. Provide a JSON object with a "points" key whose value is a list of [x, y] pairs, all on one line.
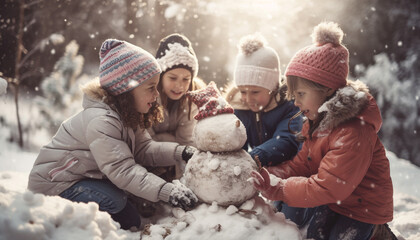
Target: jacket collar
{"points": [[353, 100]]}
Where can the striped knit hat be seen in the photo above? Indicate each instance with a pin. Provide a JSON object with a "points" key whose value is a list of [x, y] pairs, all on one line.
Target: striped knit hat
{"points": [[124, 66], [326, 61]]}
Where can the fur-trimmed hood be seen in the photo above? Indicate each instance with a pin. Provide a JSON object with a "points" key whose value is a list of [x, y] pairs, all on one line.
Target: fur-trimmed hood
{"points": [[94, 95], [353, 100]]}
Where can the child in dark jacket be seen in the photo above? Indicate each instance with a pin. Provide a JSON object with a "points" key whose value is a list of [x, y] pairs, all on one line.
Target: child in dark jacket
{"points": [[259, 100]]}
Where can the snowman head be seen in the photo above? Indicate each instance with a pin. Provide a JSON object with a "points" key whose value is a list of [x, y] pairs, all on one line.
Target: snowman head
{"points": [[217, 129]]}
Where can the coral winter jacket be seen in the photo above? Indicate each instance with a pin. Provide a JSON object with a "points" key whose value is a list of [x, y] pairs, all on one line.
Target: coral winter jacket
{"points": [[344, 165]]}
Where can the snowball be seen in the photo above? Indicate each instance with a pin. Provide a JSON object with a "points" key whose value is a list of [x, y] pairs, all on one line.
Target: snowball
{"points": [[274, 180], [220, 133], [214, 207], [222, 186], [214, 164], [237, 170], [178, 212], [248, 205], [231, 210]]}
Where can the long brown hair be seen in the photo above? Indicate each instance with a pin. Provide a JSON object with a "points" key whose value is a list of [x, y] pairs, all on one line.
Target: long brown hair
{"points": [[196, 83], [124, 104], [292, 82]]}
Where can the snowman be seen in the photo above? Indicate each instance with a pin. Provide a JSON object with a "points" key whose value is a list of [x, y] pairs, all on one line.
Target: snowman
{"points": [[219, 170]]}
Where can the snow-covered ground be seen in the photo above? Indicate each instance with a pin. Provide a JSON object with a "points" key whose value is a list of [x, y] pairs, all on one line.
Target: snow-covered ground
{"points": [[24, 215]]}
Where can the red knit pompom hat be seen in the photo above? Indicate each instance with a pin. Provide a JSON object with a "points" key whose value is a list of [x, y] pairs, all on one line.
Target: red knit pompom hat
{"points": [[209, 102], [326, 61]]}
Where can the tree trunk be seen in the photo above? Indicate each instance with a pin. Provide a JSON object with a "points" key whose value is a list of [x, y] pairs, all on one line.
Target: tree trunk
{"points": [[16, 81]]}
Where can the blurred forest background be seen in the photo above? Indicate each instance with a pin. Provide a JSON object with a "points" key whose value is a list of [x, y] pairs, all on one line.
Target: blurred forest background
{"points": [[47, 47]]}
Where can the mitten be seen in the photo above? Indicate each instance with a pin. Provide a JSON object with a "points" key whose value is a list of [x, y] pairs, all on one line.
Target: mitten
{"points": [[272, 190], [182, 197], [188, 152]]}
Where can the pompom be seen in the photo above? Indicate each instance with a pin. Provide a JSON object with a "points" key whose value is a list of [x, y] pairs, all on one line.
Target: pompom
{"points": [[327, 32], [107, 45], [251, 43]]}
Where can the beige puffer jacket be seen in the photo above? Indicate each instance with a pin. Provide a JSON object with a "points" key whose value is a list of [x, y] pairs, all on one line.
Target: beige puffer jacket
{"points": [[176, 126], [95, 144]]}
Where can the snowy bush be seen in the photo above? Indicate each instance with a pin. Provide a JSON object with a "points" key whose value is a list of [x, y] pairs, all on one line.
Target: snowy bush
{"points": [[395, 89]]}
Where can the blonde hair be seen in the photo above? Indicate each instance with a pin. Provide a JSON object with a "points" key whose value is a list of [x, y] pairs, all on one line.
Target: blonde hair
{"points": [[292, 82]]}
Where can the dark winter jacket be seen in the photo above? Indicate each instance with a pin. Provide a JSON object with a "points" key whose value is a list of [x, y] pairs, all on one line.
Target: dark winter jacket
{"points": [[95, 144], [344, 164], [267, 131]]}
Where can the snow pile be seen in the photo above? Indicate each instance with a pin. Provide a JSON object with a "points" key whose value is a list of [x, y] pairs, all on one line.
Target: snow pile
{"points": [[255, 219], [25, 215], [406, 220], [220, 177], [204, 219]]}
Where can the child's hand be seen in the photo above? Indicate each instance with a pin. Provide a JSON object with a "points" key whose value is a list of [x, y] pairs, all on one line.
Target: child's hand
{"points": [[182, 197], [270, 190], [188, 152]]}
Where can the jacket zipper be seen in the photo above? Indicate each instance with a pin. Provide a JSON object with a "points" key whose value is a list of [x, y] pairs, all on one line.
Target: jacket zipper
{"points": [[259, 128]]}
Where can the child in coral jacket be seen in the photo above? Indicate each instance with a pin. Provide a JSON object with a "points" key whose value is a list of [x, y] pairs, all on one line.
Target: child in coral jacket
{"points": [[340, 178]]}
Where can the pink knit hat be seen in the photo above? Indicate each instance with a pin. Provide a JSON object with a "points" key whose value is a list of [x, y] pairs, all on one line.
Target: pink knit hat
{"points": [[124, 66], [326, 61]]}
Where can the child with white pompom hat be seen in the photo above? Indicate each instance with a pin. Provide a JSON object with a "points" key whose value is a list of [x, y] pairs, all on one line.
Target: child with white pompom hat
{"points": [[258, 98]]}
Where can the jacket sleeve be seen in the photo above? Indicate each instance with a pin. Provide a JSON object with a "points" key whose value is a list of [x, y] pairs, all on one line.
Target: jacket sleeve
{"points": [[115, 159], [151, 153], [341, 170], [163, 137], [298, 166], [283, 145]]}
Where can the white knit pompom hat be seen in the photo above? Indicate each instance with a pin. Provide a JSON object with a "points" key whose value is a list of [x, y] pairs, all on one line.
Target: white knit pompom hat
{"points": [[257, 64]]}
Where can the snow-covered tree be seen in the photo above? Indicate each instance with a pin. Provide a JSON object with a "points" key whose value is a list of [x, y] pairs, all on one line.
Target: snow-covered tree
{"points": [[397, 94], [61, 93]]}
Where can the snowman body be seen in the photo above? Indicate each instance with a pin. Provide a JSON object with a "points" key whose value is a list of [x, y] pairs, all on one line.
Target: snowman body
{"points": [[219, 170], [221, 177]]}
